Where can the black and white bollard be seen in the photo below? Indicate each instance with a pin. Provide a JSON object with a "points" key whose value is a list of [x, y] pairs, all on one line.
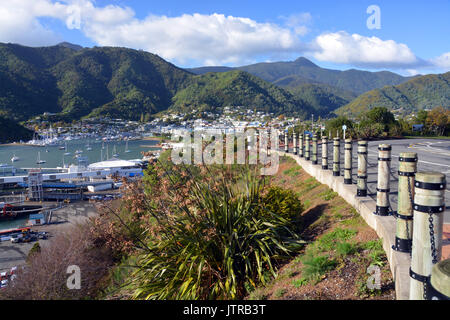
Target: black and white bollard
{"points": [[336, 157], [439, 286], [301, 144], [294, 142], [324, 153], [428, 222], [384, 170], [407, 168], [286, 141], [348, 161], [307, 147], [361, 190], [314, 149]]}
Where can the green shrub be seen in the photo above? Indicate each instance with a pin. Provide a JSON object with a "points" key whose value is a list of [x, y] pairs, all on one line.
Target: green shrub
{"points": [[283, 202], [35, 249], [217, 245]]}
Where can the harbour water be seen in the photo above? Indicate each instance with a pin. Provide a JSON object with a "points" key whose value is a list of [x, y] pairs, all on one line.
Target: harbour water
{"points": [[54, 158]]}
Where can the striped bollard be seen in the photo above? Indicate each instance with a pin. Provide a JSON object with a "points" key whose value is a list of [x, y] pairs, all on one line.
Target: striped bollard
{"points": [[301, 143], [383, 183], [324, 153], [294, 141], [286, 141], [307, 146], [407, 168], [336, 157], [428, 222], [361, 190], [348, 161], [314, 149], [439, 288]]}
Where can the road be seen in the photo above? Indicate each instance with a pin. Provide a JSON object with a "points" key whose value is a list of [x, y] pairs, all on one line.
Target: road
{"points": [[433, 155]]}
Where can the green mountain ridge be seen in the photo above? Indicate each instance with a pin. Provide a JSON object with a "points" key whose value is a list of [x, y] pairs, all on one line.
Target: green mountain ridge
{"points": [[238, 88], [424, 92], [289, 74]]}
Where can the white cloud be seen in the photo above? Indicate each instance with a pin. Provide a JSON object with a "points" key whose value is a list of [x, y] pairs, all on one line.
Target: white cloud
{"points": [[443, 61], [214, 38], [341, 47], [19, 23]]}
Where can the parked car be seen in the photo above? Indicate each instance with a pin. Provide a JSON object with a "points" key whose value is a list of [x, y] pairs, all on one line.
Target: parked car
{"points": [[15, 238], [42, 235], [3, 276], [4, 283]]}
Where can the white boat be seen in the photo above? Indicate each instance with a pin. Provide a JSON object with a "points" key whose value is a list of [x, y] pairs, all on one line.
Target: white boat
{"points": [[15, 158], [126, 147], [39, 160], [115, 154]]}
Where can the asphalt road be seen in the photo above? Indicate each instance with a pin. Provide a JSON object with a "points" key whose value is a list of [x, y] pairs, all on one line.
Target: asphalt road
{"points": [[433, 155]]}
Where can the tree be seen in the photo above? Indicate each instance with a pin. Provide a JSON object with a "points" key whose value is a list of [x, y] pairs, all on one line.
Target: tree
{"points": [[335, 125], [380, 115], [438, 120]]}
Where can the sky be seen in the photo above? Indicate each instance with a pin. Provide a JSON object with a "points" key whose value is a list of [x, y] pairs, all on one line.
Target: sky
{"points": [[407, 37]]}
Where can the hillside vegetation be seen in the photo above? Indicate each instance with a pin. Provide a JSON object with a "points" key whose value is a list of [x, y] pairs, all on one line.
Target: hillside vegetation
{"points": [[237, 88], [11, 131], [425, 92], [75, 82], [290, 74]]}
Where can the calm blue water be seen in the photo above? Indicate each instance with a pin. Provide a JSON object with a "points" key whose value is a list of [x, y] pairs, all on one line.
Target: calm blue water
{"points": [[54, 158]]}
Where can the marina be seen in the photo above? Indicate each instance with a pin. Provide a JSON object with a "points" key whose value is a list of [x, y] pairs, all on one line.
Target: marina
{"points": [[65, 170]]}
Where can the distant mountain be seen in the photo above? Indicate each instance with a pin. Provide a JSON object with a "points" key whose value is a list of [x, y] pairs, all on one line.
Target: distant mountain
{"points": [[324, 89], [237, 88], [69, 45], [203, 70], [301, 71], [290, 74], [11, 131], [427, 91]]}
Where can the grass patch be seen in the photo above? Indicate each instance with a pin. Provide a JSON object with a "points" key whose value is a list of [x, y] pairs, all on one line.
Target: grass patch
{"points": [[292, 172], [316, 266], [280, 292], [328, 195], [297, 283], [328, 241], [376, 253], [346, 248]]}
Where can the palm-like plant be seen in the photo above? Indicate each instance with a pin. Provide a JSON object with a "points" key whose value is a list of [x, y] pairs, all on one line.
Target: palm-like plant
{"points": [[213, 245]]}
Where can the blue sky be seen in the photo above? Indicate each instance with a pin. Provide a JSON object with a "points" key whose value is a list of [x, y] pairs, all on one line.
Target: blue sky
{"points": [[413, 38]]}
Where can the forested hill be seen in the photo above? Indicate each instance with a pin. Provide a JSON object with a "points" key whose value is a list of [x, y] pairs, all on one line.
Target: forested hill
{"points": [[290, 74], [74, 82], [424, 92], [237, 88]]}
